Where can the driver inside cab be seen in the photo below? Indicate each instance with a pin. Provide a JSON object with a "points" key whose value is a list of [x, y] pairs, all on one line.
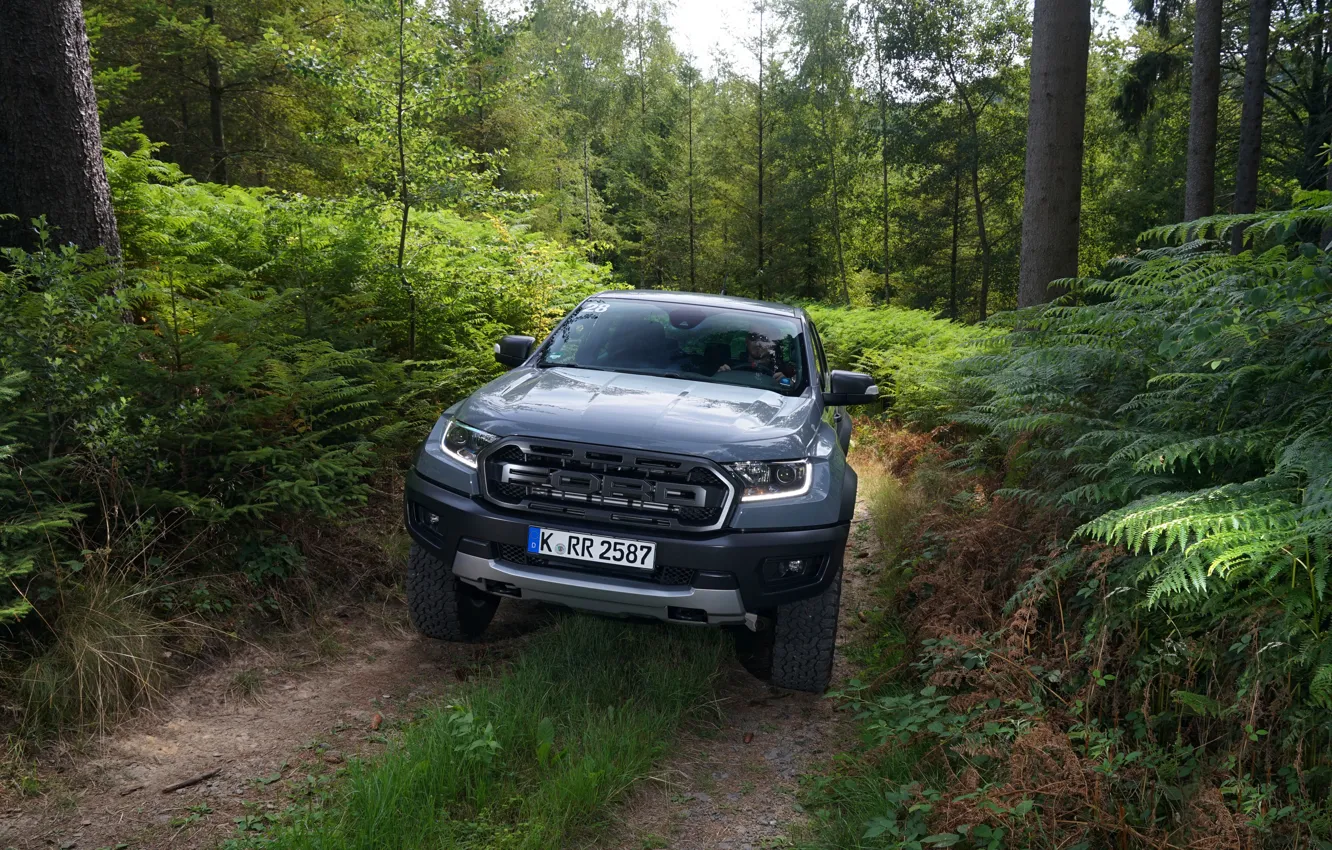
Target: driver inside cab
{"points": [[761, 356]]}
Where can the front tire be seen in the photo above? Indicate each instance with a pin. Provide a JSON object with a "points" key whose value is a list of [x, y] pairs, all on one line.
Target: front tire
{"points": [[441, 606], [804, 640]]}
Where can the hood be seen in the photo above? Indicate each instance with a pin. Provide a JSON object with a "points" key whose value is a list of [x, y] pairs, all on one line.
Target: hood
{"points": [[717, 421]]}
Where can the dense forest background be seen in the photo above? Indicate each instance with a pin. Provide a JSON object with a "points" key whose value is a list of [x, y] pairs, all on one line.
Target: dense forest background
{"points": [[870, 151]]}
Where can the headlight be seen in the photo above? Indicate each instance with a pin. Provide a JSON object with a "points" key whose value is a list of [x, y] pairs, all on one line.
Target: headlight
{"points": [[463, 443], [772, 479]]}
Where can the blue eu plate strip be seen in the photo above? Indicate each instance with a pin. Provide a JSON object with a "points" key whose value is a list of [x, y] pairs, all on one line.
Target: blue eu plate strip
{"points": [[533, 539]]}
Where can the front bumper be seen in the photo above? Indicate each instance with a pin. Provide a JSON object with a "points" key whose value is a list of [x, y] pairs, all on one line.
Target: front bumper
{"points": [[606, 594], [725, 580]]}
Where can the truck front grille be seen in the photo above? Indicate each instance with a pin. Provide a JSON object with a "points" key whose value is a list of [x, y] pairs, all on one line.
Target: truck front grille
{"points": [[665, 575], [607, 485]]}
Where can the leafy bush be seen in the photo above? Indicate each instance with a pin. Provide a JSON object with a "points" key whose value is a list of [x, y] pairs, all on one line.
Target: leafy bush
{"points": [[907, 351], [239, 379]]}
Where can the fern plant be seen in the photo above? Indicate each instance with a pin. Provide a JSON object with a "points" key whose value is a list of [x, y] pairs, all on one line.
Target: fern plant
{"points": [[1184, 408]]}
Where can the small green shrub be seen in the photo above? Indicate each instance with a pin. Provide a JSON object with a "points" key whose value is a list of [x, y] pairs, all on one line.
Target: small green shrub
{"points": [[907, 351]]}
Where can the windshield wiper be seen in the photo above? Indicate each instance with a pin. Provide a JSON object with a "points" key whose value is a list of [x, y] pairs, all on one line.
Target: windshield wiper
{"points": [[680, 376], [677, 375]]}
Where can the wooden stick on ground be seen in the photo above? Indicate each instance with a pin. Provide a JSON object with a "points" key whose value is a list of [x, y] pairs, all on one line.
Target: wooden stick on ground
{"points": [[193, 780]]}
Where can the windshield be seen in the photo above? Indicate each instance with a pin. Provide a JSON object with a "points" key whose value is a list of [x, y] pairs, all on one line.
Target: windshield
{"points": [[720, 345]]}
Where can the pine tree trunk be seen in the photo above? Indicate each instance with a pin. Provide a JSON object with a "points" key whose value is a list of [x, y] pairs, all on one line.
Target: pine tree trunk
{"points": [[50, 143], [1056, 114], [837, 211], [952, 260], [587, 191], [883, 155], [404, 198], [1320, 55], [693, 281], [218, 173], [762, 287], [1200, 178], [1326, 236], [1251, 120], [982, 235]]}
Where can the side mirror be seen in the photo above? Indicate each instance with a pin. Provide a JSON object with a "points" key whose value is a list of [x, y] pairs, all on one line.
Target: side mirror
{"points": [[513, 350], [850, 388]]}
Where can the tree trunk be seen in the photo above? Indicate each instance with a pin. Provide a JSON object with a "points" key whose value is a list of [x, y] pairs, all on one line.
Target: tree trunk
{"points": [[762, 287], [693, 281], [50, 143], [183, 137], [837, 212], [1320, 56], [1051, 206], [952, 261], [404, 199], [215, 92], [587, 192], [981, 235], [1251, 120], [559, 193], [1200, 180], [1326, 236], [883, 155]]}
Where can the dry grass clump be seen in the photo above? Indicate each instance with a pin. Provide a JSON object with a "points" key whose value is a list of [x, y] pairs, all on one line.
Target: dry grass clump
{"points": [[107, 657]]}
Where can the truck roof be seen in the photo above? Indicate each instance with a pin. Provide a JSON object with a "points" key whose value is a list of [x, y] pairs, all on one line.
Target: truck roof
{"points": [[701, 299]]}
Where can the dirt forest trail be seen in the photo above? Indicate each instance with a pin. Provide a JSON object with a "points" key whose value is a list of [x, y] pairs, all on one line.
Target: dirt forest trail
{"points": [[730, 782], [303, 720]]}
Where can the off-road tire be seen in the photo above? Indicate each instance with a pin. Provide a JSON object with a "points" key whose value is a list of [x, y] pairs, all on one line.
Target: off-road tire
{"points": [[441, 606], [804, 639]]}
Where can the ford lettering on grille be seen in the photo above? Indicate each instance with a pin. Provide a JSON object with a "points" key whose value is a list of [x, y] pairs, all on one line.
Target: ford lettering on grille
{"points": [[606, 484], [588, 484]]}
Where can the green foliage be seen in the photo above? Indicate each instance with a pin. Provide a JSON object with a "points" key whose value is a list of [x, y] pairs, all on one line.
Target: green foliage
{"points": [[907, 351], [1181, 409], [241, 375]]}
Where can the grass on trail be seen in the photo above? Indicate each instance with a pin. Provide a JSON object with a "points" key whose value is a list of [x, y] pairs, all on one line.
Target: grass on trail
{"points": [[530, 759]]}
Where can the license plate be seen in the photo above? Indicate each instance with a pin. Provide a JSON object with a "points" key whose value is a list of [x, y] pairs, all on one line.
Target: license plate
{"points": [[594, 548]]}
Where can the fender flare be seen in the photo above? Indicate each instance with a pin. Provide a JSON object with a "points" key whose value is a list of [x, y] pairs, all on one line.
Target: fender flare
{"points": [[849, 485]]}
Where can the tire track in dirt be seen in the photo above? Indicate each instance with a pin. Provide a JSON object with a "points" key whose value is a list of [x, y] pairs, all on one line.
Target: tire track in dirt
{"points": [[308, 717], [732, 782]]}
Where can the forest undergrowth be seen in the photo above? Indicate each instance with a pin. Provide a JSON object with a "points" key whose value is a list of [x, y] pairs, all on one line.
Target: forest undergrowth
{"points": [[999, 709], [207, 439], [1105, 618]]}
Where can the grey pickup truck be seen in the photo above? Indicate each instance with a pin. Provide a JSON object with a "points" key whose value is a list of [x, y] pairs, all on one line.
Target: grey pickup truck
{"points": [[661, 455]]}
